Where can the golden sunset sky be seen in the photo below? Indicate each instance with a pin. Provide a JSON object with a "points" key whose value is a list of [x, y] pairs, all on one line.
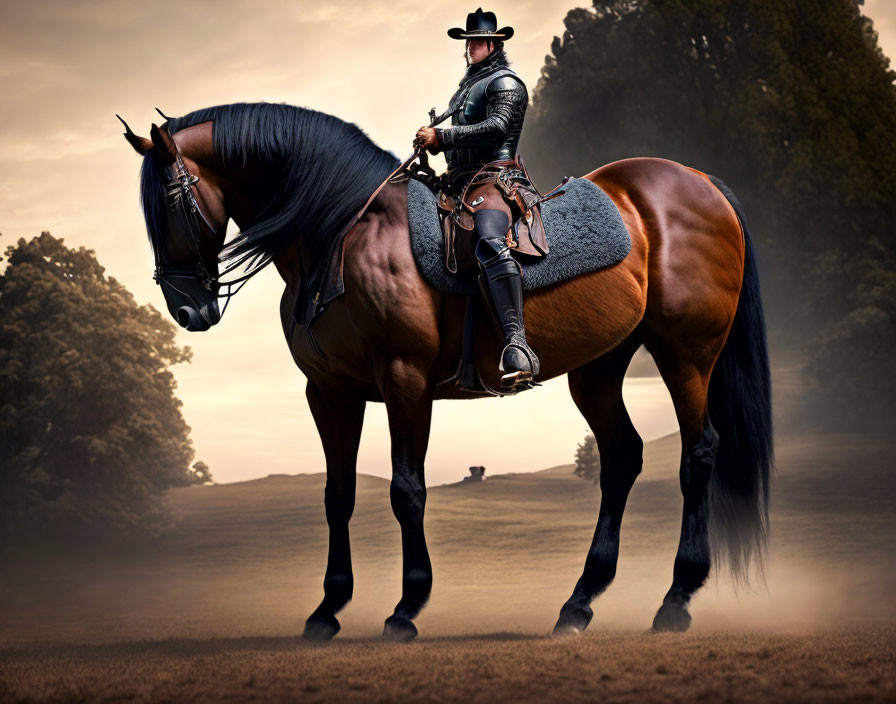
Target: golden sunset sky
{"points": [[68, 67]]}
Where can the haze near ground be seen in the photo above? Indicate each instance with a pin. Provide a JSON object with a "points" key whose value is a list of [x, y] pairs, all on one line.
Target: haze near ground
{"points": [[214, 608]]}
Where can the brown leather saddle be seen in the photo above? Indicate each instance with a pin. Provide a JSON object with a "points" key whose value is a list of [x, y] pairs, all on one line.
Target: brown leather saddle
{"points": [[526, 233]]}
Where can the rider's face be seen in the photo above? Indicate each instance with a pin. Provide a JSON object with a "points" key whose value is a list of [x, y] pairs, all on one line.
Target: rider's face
{"points": [[477, 49]]}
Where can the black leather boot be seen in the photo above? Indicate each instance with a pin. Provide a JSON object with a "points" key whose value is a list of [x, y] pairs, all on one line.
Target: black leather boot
{"points": [[501, 280]]}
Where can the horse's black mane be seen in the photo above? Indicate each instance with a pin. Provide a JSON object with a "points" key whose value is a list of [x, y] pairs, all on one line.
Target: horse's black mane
{"points": [[319, 170]]}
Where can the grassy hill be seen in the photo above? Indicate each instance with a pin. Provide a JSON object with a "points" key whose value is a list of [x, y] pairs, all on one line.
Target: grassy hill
{"points": [[248, 558], [213, 610]]}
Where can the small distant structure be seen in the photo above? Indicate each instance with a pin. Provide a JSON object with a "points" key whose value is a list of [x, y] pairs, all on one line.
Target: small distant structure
{"points": [[477, 474]]}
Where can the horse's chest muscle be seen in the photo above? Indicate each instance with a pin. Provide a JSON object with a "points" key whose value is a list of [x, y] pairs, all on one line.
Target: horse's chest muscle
{"points": [[381, 274], [376, 278], [390, 304]]}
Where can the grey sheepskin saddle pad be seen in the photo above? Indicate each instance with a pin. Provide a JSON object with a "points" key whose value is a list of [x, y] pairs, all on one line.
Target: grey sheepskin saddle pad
{"points": [[584, 229]]}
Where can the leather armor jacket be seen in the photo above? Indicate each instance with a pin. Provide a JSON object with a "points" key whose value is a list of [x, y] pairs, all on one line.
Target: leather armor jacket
{"points": [[487, 114]]}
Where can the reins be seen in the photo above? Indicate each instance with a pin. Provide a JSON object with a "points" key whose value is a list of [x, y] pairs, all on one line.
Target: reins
{"points": [[402, 169], [181, 201]]}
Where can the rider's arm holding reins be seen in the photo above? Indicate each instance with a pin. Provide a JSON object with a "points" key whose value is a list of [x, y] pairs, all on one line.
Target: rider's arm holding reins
{"points": [[507, 98]]}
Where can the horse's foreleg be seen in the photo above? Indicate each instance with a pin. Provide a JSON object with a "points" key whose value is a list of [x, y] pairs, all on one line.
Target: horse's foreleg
{"points": [[339, 417], [596, 389], [699, 442], [409, 405]]}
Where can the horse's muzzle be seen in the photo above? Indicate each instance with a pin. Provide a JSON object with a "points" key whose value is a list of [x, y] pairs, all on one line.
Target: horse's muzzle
{"points": [[199, 320]]}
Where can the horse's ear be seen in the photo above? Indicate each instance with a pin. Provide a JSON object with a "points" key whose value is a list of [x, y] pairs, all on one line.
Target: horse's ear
{"points": [[141, 145], [162, 141]]}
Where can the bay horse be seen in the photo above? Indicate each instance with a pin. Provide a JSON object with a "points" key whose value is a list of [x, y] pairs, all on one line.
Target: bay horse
{"points": [[688, 291]]}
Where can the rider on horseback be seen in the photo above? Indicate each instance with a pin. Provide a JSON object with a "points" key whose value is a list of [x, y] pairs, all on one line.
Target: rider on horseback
{"points": [[487, 117]]}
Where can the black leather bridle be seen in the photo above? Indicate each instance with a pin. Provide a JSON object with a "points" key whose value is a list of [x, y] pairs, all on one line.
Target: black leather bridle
{"points": [[181, 203]]}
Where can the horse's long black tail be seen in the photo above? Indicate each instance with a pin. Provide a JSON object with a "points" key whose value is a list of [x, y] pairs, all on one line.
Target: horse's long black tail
{"points": [[740, 408]]}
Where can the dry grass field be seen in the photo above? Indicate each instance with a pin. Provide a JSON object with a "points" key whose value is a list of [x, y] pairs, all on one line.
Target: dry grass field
{"points": [[213, 610]]}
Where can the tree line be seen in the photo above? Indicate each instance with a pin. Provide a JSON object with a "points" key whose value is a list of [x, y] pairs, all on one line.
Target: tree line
{"points": [[91, 429], [793, 104]]}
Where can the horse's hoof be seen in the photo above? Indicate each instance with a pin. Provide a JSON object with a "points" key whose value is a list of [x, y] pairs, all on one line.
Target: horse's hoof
{"points": [[320, 628], [573, 621], [565, 629], [399, 629], [671, 618]]}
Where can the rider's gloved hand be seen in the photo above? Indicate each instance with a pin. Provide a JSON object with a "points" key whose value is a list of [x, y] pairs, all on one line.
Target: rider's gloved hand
{"points": [[427, 138]]}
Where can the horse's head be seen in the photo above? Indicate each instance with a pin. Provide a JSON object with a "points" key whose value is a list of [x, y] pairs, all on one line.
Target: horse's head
{"points": [[186, 222]]}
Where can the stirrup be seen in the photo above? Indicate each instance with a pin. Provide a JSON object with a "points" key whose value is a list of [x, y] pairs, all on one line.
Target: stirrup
{"points": [[520, 379]]}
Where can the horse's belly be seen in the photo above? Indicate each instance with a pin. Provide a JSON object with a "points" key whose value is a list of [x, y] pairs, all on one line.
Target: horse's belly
{"points": [[573, 323]]}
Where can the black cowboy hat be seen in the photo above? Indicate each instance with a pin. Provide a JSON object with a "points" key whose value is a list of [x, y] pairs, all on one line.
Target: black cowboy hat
{"points": [[481, 25]]}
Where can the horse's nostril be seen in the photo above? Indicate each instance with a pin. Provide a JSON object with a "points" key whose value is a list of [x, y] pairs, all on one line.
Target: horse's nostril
{"points": [[183, 316], [191, 319]]}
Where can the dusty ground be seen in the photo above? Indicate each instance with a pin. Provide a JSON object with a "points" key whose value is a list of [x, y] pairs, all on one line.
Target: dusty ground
{"points": [[212, 611], [617, 667]]}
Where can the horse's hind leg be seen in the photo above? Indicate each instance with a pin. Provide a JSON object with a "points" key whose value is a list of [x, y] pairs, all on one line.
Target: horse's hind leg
{"points": [[596, 389], [409, 406], [339, 417], [687, 377]]}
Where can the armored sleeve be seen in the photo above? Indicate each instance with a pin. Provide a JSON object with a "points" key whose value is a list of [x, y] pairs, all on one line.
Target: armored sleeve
{"points": [[507, 102]]}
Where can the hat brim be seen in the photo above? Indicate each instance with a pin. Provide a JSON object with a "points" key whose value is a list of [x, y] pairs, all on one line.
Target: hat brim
{"points": [[503, 34]]}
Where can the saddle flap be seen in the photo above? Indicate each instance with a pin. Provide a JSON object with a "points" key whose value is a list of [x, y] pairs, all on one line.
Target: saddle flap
{"points": [[451, 217], [528, 233], [447, 206], [448, 237]]}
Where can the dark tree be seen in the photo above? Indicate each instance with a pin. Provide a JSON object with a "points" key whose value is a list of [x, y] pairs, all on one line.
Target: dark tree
{"points": [[199, 473], [91, 431], [588, 459], [793, 104]]}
